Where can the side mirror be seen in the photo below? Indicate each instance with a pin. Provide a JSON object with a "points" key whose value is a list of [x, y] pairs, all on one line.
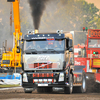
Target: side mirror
{"points": [[67, 41], [70, 43], [18, 49]]}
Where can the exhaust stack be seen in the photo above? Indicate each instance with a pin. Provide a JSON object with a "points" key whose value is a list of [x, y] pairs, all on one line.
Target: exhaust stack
{"points": [[36, 31]]}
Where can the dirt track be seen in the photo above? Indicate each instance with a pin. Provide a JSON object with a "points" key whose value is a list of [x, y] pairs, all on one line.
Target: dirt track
{"points": [[93, 93], [18, 94]]}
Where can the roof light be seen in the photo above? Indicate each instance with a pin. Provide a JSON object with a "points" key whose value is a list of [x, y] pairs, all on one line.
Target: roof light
{"points": [[61, 31], [59, 34], [58, 31], [29, 32], [50, 39], [33, 32]]}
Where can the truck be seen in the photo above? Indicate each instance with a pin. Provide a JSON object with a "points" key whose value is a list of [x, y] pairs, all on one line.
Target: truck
{"points": [[12, 59], [80, 56], [88, 56], [49, 66]]}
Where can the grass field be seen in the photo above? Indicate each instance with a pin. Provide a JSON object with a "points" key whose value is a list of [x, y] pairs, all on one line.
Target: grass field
{"points": [[5, 86]]}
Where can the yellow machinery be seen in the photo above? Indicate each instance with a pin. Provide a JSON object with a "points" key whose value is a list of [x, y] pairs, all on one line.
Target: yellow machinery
{"points": [[13, 58]]}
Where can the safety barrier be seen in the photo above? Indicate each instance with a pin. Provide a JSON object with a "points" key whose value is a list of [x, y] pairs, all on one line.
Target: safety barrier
{"points": [[14, 76]]}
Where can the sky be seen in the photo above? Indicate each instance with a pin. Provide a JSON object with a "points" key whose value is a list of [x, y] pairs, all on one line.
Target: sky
{"points": [[96, 2]]}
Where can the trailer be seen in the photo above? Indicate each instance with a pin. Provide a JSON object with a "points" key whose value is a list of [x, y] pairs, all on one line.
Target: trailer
{"points": [[88, 57]]}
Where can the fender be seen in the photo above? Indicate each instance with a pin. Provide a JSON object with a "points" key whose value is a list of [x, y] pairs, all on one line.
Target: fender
{"points": [[78, 73]]}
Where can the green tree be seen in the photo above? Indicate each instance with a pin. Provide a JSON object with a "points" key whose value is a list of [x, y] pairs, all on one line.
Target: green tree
{"points": [[71, 15], [98, 22]]}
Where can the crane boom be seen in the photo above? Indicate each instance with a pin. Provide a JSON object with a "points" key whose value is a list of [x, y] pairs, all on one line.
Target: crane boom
{"points": [[13, 58], [17, 32]]}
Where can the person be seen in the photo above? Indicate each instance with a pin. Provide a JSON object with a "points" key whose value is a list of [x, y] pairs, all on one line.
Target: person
{"points": [[59, 44], [32, 45]]}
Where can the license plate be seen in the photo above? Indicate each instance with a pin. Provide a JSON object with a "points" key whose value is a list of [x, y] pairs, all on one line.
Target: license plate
{"points": [[42, 84]]}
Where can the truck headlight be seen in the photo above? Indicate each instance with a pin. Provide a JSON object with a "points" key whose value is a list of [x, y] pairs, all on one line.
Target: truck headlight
{"points": [[49, 80], [61, 77], [35, 80], [40, 80], [25, 79], [45, 80]]}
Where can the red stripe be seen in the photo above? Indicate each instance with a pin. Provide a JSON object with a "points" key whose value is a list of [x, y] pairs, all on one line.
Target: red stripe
{"points": [[76, 54], [52, 80]]}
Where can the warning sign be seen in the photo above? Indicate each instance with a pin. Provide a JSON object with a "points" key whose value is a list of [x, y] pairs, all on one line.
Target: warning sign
{"points": [[96, 63]]}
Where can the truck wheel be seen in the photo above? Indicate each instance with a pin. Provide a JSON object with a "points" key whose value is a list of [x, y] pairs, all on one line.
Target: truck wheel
{"points": [[27, 91], [82, 88], [69, 89]]}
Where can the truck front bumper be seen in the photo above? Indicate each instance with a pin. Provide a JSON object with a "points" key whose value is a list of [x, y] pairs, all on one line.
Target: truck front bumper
{"points": [[32, 85]]}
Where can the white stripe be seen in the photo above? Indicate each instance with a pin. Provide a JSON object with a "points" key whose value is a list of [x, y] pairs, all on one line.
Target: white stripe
{"points": [[76, 50], [75, 55]]}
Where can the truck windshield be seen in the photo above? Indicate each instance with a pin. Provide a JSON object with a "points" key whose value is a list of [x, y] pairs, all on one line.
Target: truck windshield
{"points": [[57, 45], [94, 43]]}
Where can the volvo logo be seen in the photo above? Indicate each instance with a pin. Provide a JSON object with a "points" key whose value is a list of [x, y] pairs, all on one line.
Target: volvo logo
{"points": [[43, 58]]}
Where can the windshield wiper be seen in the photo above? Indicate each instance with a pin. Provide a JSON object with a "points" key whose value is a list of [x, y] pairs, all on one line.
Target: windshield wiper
{"points": [[33, 49], [50, 50]]}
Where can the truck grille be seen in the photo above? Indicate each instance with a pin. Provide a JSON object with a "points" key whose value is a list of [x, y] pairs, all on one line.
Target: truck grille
{"points": [[43, 75], [43, 65], [39, 77]]}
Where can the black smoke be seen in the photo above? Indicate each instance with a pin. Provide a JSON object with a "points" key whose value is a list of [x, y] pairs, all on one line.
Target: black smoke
{"points": [[37, 7]]}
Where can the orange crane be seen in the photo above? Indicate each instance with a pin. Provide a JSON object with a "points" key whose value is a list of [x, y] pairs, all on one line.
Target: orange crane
{"points": [[13, 58]]}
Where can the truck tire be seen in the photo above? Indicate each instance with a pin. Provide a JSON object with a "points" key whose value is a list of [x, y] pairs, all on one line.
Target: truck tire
{"points": [[27, 91], [69, 89], [82, 88]]}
